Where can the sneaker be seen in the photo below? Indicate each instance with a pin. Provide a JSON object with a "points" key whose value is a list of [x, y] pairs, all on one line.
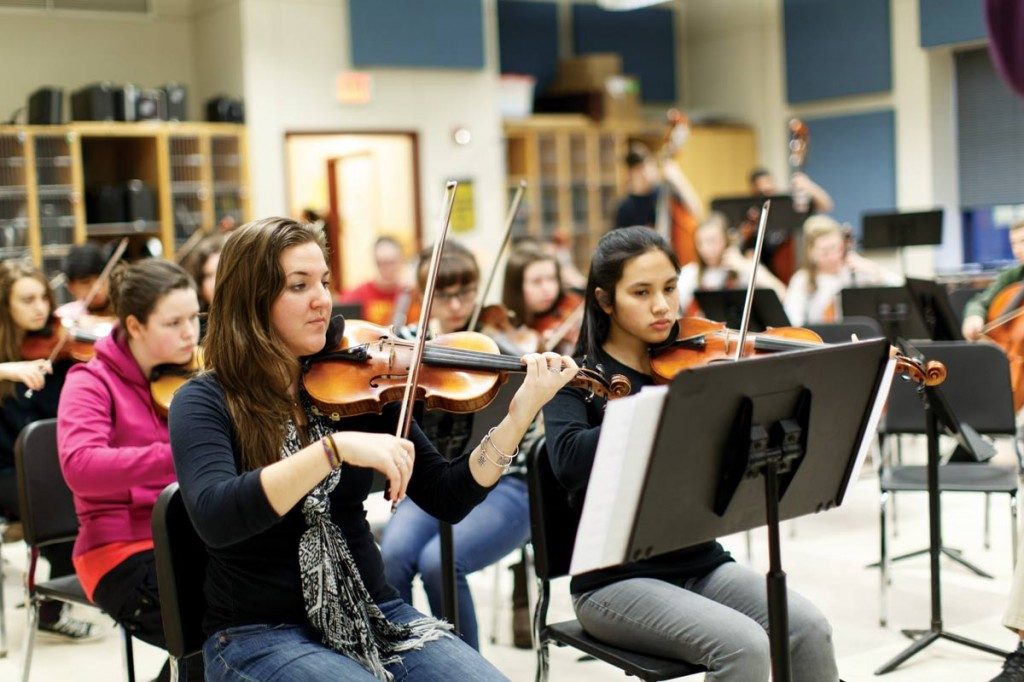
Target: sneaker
{"points": [[68, 629], [1013, 667]]}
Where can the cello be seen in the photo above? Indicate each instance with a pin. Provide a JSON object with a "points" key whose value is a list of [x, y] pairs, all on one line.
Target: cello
{"points": [[673, 219], [1005, 328]]}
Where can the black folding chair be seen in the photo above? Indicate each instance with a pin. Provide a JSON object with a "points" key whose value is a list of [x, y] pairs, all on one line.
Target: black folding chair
{"points": [[553, 524], [978, 390], [48, 517], [180, 572]]}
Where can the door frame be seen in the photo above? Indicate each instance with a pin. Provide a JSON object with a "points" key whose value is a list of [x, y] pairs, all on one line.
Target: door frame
{"points": [[332, 223]]}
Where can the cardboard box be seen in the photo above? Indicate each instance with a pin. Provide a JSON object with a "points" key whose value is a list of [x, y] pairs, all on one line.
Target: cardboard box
{"points": [[617, 100], [586, 72]]}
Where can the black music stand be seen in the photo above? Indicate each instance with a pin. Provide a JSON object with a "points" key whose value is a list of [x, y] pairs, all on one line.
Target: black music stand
{"points": [[894, 308], [932, 301], [727, 305], [897, 230], [937, 412], [802, 420]]}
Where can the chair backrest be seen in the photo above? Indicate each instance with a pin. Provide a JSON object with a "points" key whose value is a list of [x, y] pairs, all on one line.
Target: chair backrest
{"points": [[977, 387], [47, 507], [841, 332], [958, 299], [553, 521], [181, 560]]}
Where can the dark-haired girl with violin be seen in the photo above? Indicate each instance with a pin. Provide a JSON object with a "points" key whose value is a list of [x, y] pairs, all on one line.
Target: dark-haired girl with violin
{"points": [[694, 604], [28, 332], [411, 542], [295, 585], [113, 442], [534, 294]]}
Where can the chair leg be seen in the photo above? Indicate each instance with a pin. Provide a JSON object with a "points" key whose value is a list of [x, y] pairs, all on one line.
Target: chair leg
{"points": [[3, 611], [496, 598], [540, 616], [30, 638], [129, 655], [750, 546], [1013, 529], [988, 521], [883, 565]]}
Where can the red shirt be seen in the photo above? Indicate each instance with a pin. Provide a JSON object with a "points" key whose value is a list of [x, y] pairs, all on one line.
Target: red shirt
{"points": [[378, 305]]}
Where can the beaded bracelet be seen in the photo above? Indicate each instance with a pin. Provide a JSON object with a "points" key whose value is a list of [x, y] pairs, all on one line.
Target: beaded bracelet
{"points": [[331, 452]]}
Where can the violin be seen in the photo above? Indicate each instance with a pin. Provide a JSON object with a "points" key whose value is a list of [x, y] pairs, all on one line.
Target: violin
{"points": [[560, 326], [498, 322], [165, 380], [41, 344], [460, 372], [699, 341], [1005, 327]]}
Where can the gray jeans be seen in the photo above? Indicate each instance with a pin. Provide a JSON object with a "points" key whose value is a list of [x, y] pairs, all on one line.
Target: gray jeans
{"points": [[719, 621]]}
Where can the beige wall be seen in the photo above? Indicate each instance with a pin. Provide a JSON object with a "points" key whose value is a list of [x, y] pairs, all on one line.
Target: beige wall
{"points": [[735, 67], [71, 49], [217, 40], [294, 49]]}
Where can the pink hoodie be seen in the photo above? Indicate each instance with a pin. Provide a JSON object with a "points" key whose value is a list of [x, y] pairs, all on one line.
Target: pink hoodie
{"points": [[114, 448]]}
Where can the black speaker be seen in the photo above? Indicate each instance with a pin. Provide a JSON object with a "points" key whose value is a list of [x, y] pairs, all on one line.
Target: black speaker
{"points": [[176, 99], [139, 201], [46, 106], [150, 106], [226, 110], [93, 103], [105, 204], [125, 101]]}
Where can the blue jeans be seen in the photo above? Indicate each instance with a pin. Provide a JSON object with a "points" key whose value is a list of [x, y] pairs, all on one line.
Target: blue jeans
{"points": [[412, 544], [278, 653], [718, 621]]}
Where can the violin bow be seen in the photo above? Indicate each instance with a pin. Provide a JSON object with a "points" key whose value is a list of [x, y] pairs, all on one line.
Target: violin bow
{"points": [[748, 304], [186, 249], [405, 415], [564, 327], [510, 218], [87, 301]]}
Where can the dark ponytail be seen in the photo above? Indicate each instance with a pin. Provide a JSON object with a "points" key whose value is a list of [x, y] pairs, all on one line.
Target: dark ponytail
{"points": [[614, 251]]}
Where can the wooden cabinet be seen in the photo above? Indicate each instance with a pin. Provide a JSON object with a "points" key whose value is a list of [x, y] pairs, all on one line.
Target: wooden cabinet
{"points": [[575, 171], [192, 174]]}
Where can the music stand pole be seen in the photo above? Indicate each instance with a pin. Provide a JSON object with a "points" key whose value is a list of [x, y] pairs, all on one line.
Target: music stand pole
{"points": [[778, 607], [922, 638]]}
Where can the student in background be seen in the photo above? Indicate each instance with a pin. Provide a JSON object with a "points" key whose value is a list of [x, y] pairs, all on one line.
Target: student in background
{"points": [[387, 293], [82, 267]]}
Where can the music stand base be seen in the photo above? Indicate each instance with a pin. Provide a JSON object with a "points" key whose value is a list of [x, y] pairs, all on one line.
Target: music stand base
{"points": [[952, 553], [926, 637]]}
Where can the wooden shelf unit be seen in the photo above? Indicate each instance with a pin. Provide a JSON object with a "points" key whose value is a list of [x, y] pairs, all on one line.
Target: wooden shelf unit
{"points": [[198, 171], [575, 170]]}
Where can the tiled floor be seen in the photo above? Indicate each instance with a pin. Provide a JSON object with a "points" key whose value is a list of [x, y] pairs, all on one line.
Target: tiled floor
{"points": [[825, 561]]}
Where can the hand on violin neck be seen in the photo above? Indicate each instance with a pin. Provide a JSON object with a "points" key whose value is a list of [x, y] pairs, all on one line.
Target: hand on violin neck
{"points": [[546, 373]]}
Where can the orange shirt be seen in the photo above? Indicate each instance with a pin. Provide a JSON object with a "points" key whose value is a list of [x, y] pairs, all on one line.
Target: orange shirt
{"points": [[96, 563]]}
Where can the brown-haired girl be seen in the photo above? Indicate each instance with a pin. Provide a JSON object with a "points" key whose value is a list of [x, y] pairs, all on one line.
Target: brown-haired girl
{"points": [[26, 311], [113, 442], [276, 491], [533, 292]]}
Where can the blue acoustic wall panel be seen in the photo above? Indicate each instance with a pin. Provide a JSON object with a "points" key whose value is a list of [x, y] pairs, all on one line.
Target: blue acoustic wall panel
{"points": [[854, 159], [836, 48], [528, 39], [951, 21], [439, 33], [644, 37]]}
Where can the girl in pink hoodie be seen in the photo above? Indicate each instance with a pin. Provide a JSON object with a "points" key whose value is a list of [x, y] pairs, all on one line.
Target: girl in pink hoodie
{"points": [[113, 442]]}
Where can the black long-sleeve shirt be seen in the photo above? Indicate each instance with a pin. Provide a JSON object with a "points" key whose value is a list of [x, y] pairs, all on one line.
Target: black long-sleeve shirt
{"points": [[17, 411], [253, 570], [572, 427]]}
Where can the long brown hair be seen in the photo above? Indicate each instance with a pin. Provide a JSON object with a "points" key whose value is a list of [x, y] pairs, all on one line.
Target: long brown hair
{"points": [[515, 272], [241, 346], [10, 334]]}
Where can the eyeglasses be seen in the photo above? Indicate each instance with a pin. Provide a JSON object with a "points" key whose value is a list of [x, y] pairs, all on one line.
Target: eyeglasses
{"points": [[464, 296]]}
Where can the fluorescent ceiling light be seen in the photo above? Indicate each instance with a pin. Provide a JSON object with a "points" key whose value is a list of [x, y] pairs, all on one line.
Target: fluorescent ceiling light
{"points": [[621, 5]]}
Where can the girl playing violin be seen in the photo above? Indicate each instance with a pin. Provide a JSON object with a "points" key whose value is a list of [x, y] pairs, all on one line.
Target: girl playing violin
{"points": [[694, 604], [295, 581], [26, 319], [533, 292], [114, 447], [812, 296], [718, 266], [411, 541]]}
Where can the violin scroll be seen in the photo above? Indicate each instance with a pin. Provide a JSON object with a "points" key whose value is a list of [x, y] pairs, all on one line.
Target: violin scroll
{"points": [[931, 373]]}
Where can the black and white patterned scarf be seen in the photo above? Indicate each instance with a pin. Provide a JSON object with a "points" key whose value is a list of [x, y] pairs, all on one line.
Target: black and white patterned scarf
{"points": [[337, 602]]}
